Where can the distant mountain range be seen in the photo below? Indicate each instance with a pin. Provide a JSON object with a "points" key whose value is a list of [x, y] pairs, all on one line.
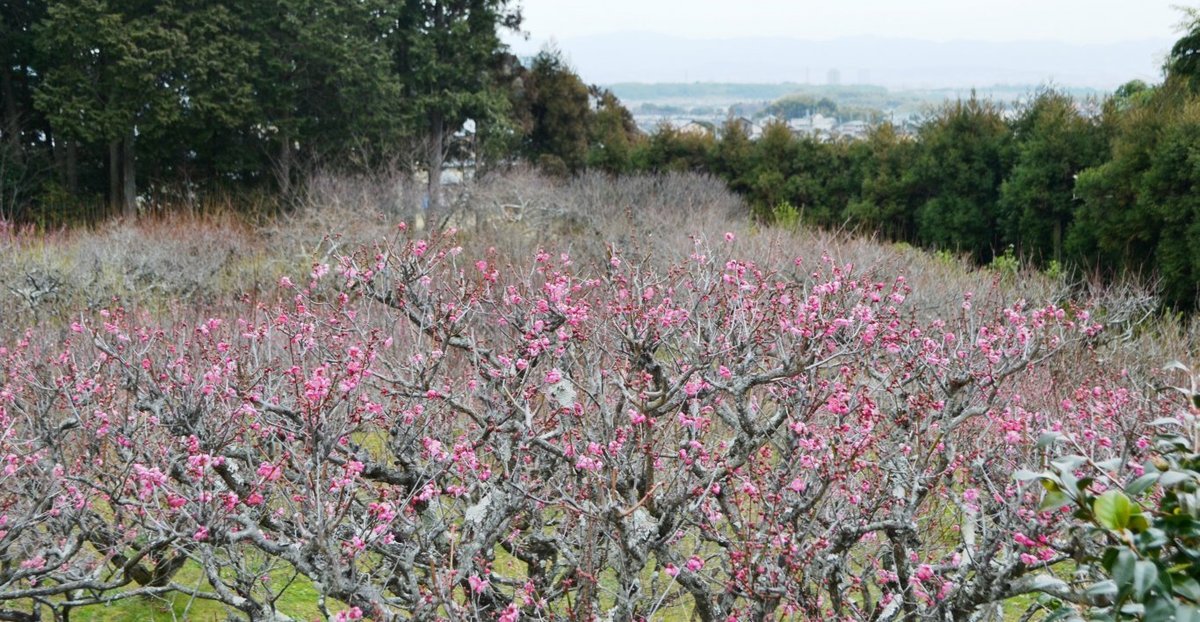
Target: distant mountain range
{"points": [[891, 62]]}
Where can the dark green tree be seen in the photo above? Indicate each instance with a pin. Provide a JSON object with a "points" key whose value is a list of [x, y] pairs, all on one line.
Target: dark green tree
{"points": [[19, 145], [18, 73], [324, 84], [445, 53], [732, 154], [559, 112], [1183, 62], [1168, 192], [798, 106], [1139, 213], [151, 81], [1053, 143], [612, 133], [963, 157], [886, 202], [674, 149], [107, 79], [771, 165], [823, 179]]}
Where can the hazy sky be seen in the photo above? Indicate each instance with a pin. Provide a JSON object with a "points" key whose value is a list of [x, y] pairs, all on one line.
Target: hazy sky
{"points": [[1099, 43], [1074, 21]]}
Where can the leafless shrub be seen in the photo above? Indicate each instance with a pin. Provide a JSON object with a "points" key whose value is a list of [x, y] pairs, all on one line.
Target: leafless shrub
{"points": [[202, 257]]}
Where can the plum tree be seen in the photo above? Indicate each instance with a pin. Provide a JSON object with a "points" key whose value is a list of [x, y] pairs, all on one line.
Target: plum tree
{"points": [[425, 435]]}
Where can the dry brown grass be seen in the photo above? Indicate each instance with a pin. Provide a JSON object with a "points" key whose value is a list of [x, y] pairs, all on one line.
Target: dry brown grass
{"points": [[200, 258]]}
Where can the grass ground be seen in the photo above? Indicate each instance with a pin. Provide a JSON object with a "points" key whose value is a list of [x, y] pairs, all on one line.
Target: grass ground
{"points": [[299, 601]]}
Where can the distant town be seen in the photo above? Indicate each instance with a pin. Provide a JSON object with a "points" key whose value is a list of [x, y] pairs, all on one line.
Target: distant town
{"points": [[821, 112]]}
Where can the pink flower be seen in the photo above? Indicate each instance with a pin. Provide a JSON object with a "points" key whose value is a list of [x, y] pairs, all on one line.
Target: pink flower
{"points": [[694, 563], [510, 614], [269, 472], [477, 585], [285, 282], [201, 534], [729, 236], [672, 570], [586, 463], [553, 376], [317, 387]]}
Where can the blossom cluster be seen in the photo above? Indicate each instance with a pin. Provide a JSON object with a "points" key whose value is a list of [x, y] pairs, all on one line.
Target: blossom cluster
{"points": [[448, 436]]}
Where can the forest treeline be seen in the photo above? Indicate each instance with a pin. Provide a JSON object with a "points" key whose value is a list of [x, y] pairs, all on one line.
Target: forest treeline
{"points": [[110, 104], [1108, 188]]}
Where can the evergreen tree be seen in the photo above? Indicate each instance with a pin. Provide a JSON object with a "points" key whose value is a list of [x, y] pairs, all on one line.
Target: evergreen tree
{"points": [[108, 79], [18, 119], [962, 159], [885, 203], [732, 156], [612, 133], [1054, 142], [324, 81], [445, 53], [558, 108]]}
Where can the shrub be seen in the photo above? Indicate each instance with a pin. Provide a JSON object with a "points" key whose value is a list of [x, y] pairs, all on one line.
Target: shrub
{"points": [[1144, 529], [785, 215]]}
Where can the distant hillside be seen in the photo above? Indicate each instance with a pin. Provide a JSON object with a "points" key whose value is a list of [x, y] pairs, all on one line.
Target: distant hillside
{"points": [[904, 63]]}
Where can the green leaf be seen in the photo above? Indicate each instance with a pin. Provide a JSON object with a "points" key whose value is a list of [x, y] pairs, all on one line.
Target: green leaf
{"points": [[1159, 608], [1023, 475], [1139, 485], [1171, 478], [1145, 576], [1151, 539], [1068, 464], [1062, 613], [1112, 510], [1133, 610], [1186, 613], [1054, 500], [1046, 439], [1187, 587], [1121, 569], [1138, 522], [1102, 590]]}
